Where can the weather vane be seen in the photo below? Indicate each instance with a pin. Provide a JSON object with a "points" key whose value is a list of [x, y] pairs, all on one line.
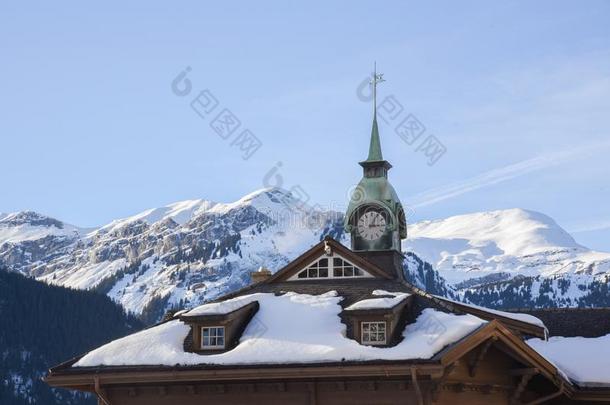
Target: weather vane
{"points": [[377, 78]]}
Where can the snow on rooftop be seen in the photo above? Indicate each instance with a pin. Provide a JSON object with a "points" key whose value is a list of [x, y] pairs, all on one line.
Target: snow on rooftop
{"points": [[511, 315], [290, 328], [586, 361], [223, 307], [379, 303]]}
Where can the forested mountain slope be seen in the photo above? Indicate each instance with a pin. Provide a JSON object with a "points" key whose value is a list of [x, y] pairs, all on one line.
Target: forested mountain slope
{"points": [[42, 325]]}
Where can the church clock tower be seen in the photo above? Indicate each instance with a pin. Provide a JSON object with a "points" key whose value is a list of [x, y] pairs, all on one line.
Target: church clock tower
{"points": [[375, 217]]}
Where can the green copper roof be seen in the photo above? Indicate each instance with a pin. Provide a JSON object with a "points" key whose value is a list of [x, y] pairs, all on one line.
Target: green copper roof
{"points": [[375, 154], [373, 190]]}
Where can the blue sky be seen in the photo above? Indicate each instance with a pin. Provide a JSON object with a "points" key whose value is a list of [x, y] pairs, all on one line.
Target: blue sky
{"points": [[517, 92]]}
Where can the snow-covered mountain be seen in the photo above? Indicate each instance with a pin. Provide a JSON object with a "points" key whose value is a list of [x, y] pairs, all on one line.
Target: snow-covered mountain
{"points": [[28, 226], [512, 258], [27, 238], [186, 252], [191, 251]]}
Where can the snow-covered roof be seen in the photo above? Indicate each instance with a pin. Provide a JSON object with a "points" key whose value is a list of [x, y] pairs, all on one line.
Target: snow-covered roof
{"points": [[222, 307], [381, 302], [513, 315], [510, 315], [289, 328], [585, 361]]}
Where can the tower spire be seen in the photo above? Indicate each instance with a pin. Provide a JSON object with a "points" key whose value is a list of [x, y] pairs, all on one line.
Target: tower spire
{"points": [[374, 217], [375, 146]]}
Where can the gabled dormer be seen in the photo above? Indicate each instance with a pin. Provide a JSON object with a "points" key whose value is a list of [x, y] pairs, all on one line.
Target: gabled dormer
{"points": [[217, 327], [378, 320]]}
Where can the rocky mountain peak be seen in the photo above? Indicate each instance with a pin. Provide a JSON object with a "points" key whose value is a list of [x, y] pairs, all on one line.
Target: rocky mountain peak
{"points": [[29, 218], [187, 252]]}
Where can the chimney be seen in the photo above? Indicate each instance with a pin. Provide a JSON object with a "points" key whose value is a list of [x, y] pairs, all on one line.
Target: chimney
{"points": [[260, 275]]}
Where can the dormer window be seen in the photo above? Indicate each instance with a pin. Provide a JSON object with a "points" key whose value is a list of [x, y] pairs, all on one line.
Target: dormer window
{"points": [[373, 333], [333, 267], [213, 337]]}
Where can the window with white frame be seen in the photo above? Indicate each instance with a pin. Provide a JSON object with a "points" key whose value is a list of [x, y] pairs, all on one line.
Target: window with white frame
{"points": [[373, 333], [318, 269], [335, 267], [341, 268], [212, 337]]}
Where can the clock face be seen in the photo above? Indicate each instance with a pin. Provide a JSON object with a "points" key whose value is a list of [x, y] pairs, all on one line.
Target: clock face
{"points": [[371, 225]]}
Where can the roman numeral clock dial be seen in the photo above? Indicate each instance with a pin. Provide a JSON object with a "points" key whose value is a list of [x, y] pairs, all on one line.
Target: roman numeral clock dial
{"points": [[371, 225]]}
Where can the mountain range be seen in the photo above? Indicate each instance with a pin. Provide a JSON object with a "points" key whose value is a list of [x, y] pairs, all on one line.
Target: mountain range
{"points": [[191, 251]]}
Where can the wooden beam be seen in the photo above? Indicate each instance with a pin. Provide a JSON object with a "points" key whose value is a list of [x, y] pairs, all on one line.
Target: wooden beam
{"points": [[101, 397], [472, 367], [459, 386], [420, 398], [449, 369], [437, 386], [525, 379], [548, 397], [144, 376]]}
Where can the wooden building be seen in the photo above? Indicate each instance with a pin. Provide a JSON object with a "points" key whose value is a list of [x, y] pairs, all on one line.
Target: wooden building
{"points": [[334, 326]]}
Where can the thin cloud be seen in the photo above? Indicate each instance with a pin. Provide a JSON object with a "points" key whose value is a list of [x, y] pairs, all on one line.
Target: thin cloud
{"points": [[502, 174], [591, 226]]}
